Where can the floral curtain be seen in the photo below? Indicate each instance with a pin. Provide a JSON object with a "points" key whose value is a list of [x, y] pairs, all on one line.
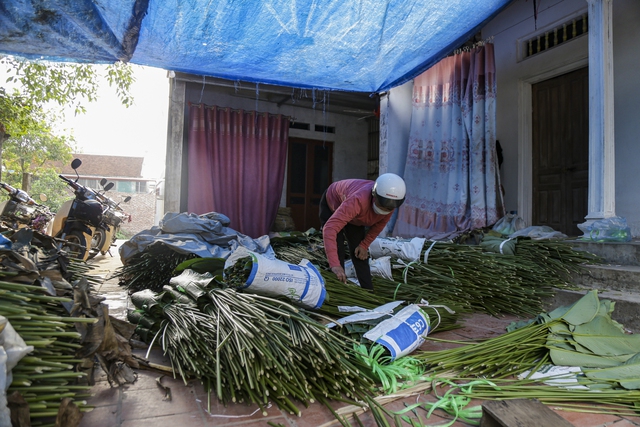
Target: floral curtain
{"points": [[236, 165], [451, 172]]}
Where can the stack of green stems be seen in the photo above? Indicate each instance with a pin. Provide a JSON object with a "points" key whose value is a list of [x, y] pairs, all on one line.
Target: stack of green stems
{"points": [[46, 375], [150, 269], [619, 402], [469, 277], [509, 354], [254, 349]]}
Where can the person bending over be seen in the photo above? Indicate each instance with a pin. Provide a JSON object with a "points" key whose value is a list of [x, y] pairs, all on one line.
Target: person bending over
{"points": [[358, 210]]}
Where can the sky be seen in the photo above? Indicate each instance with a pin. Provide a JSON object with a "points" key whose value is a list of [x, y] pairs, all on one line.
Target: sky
{"points": [[110, 128]]}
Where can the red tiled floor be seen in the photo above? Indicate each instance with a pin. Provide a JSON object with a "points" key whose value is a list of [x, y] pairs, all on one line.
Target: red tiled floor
{"points": [[101, 416], [190, 419], [141, 404]]}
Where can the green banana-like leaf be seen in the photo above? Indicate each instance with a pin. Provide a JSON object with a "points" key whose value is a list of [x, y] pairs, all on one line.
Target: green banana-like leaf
{"points": [[564, 357], [627, 374], [582, 311], [215, 266], [604, 338]]}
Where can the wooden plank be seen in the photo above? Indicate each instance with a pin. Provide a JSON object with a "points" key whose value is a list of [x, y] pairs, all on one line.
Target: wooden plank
{"points": [[520, 413]]}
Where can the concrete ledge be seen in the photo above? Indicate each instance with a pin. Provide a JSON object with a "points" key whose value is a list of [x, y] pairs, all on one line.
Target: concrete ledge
{"points": [[627, 253], [611, 277]]}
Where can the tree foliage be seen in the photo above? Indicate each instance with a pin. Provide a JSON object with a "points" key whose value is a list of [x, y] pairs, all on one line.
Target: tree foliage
{"points": [[66, 84], [34, 147]]}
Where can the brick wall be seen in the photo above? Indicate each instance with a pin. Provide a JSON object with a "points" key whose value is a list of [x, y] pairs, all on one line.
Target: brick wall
{"points": [[142, 208]]}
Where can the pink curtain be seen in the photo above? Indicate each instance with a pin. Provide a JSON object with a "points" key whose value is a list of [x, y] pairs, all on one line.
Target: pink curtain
{"points": [[236, 165], [453, 182]]}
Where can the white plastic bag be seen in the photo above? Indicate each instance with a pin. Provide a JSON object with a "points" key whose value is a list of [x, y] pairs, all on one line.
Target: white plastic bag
{"points": [[302, 284], [5, 413], [12, 349], [613, 229], [408, 250], [509, 224]]}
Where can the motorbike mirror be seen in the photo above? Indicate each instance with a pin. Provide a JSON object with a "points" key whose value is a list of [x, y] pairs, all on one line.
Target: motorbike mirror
{"points": [[109, 186], [103, 181], [75, 164], [126, 199], [43, 197]]}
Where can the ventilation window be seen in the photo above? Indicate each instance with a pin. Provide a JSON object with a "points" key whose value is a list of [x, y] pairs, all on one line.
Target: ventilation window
{"points": [[298, 125], [325, 129], [556, 36]]}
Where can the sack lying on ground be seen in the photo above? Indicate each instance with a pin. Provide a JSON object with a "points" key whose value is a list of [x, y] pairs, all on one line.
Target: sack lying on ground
{"points": [[403, 332]]}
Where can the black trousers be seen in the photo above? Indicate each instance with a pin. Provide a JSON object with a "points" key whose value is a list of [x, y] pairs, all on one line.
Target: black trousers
{"points": [[354, 234]]}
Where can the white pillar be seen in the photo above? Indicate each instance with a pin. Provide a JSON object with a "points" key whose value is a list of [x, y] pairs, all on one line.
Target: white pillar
{"points": [[602, 202]]}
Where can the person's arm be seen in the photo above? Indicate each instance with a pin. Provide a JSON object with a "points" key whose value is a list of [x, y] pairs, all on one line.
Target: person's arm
{"points": [[348, 210], [373, 232]]}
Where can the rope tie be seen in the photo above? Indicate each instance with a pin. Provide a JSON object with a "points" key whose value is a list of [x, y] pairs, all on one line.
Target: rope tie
{"points": [[426, 253], [503, 242], [425, 304], [404, 274]]}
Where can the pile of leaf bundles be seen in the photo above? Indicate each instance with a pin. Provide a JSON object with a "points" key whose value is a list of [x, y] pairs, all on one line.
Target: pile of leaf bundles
{"points": [[151, 268], [254, 349], [582, 335], [238, 274]]}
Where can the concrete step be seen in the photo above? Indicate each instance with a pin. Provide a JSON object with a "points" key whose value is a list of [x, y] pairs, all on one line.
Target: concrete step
{"points": [[620, 253], [626, 310], [610, 277]]}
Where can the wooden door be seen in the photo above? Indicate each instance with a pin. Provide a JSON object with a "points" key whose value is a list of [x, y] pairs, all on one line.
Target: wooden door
{"points": [[309, 174], [561, 151]]}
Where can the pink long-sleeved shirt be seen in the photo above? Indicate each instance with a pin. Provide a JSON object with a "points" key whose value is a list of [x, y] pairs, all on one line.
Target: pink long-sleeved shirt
{"points": [[352, 203]]}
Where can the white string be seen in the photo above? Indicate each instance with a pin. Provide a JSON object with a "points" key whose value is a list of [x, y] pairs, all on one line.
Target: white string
{"points": [[237, 416], [424, 303], [426, 253], [503, 242]]}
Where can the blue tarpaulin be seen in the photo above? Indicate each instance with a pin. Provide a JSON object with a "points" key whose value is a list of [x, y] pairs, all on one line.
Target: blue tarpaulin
{"points": [[352, 45]]}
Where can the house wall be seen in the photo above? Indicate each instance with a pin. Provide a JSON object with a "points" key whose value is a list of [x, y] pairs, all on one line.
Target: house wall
{"points": [[514, 77], [141, 207], [513, 104], [350, 138]]}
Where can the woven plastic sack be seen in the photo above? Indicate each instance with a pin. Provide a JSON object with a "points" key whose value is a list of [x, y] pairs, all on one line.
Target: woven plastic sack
{"points": [[380, 267], [402, 333], [302, 284], [407, 250]]}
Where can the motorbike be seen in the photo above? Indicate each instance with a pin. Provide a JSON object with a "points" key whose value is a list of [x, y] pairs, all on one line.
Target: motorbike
{"points": [[113, 216], [23, 211], [75, 222]]}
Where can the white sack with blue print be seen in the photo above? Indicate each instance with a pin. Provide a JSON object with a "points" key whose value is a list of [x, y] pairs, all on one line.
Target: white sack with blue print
{"points": [[402, 333], [302, 283]]}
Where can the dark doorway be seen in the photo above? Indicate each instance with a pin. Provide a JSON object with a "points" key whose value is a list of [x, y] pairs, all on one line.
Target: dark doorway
{"points": [[560, 149], [310, 172]]}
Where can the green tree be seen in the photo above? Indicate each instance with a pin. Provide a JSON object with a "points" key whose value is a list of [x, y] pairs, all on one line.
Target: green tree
{"points": [[32, 144], [66, 84]]}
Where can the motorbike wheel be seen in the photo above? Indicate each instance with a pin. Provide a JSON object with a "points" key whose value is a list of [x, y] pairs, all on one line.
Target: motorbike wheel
{"points": [[97, 241], [75, 245]]}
